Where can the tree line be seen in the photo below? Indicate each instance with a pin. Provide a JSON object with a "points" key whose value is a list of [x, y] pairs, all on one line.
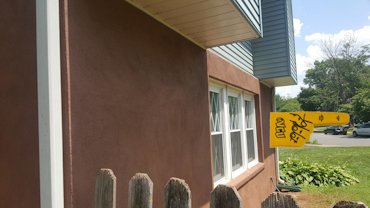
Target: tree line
{"points": [[338, 83]]}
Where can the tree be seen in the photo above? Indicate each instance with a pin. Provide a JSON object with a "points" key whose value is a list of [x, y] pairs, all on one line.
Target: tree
{"points": [[361, 105], [361, 101], [309, 99], [334, 81], [284, 104]]}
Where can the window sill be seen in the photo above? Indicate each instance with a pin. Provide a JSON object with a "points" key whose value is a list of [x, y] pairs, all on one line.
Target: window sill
{"points": [[245, 177]]}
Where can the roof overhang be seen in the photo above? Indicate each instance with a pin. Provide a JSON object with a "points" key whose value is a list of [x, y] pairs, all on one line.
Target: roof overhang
{"points": [[280, 81], [207, 23]]}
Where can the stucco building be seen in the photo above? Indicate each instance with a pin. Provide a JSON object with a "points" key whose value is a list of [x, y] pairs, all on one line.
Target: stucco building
{"points": [[173, 88]]}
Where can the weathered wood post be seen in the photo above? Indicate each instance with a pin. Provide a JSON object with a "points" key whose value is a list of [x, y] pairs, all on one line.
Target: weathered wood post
{"points": [[140, 191], [225, 197], [349, 204], [278, 200], [105, 189], [177, 194]]}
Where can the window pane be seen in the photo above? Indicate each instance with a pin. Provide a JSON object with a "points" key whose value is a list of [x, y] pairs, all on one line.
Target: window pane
{"points": [[215, 111], [236, 150], [250, 145], [218, 156], [248, 114], [233, 113]]}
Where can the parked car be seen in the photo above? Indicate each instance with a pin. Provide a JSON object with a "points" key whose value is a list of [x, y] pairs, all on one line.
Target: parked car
{"points": [[346, 127], [335, 130], [362, 130]]}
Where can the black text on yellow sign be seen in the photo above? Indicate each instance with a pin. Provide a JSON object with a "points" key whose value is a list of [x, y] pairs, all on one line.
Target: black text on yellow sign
{"points": [[293, 129]]}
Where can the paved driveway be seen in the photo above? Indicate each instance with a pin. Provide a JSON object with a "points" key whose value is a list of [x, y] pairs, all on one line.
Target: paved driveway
{"points": [[340, 140]]}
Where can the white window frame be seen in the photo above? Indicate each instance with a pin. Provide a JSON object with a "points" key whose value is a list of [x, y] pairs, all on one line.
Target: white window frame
{"points": [[250, 98], [230, 92], [222, 127], [242, 96]]}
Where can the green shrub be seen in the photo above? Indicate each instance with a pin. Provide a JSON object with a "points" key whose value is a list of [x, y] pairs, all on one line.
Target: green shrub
{"points": [[312, 142], [297, 172]]}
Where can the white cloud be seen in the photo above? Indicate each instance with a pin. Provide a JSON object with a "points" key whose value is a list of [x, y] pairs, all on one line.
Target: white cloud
{"points": [[314, 52], [368, 17], [303, 63], [362, 36], [297, 25], [288, 91]]}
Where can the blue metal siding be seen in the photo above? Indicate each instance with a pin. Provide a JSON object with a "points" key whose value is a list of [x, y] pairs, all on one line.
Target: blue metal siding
{"points": [[274, 54], [252, 10], [238, 53], [291, 40]]}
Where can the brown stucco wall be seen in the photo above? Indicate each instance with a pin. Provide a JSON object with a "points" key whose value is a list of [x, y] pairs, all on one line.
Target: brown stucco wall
{"points": [[254, 185], [226, 72], [19, 173], [257, 189], [136, 101]]}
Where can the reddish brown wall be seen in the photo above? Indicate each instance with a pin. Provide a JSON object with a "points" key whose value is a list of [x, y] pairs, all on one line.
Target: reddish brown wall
{"points": [[254, 185], [257, 189], [224, 71], [138, 103], [19, 173]]}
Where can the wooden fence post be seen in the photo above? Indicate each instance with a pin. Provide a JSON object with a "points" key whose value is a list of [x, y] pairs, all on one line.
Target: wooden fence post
{"points": [[349, 204], [105, 189], [140, 192], [177, 194], [278, 200], [224, 196]]}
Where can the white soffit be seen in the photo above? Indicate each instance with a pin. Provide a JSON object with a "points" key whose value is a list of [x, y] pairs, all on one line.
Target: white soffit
{"points": [[208, 23]]}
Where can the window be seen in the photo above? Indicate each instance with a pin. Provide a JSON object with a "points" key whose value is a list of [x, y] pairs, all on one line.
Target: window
{"points": [[233, 131], [250, 132], [217, 141]]}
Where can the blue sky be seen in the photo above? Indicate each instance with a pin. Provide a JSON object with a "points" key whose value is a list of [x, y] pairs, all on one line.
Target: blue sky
{"points": [[326, 19]]}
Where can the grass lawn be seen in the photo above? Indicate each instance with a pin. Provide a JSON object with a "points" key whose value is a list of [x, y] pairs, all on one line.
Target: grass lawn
{"points": [[355, 159]]}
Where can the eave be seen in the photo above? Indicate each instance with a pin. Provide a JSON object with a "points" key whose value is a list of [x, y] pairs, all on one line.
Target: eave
{"points": [[207, 23]]}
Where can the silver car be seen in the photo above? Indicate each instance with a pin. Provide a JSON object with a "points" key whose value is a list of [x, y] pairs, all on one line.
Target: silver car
{"points": [[362, 130]]}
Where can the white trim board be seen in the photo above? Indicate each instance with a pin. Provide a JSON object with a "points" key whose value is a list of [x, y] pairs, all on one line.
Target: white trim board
{"points": [[49, 104]]}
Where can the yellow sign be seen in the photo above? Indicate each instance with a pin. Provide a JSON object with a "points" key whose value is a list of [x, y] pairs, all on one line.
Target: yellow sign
{"points": [[293, 129]]}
